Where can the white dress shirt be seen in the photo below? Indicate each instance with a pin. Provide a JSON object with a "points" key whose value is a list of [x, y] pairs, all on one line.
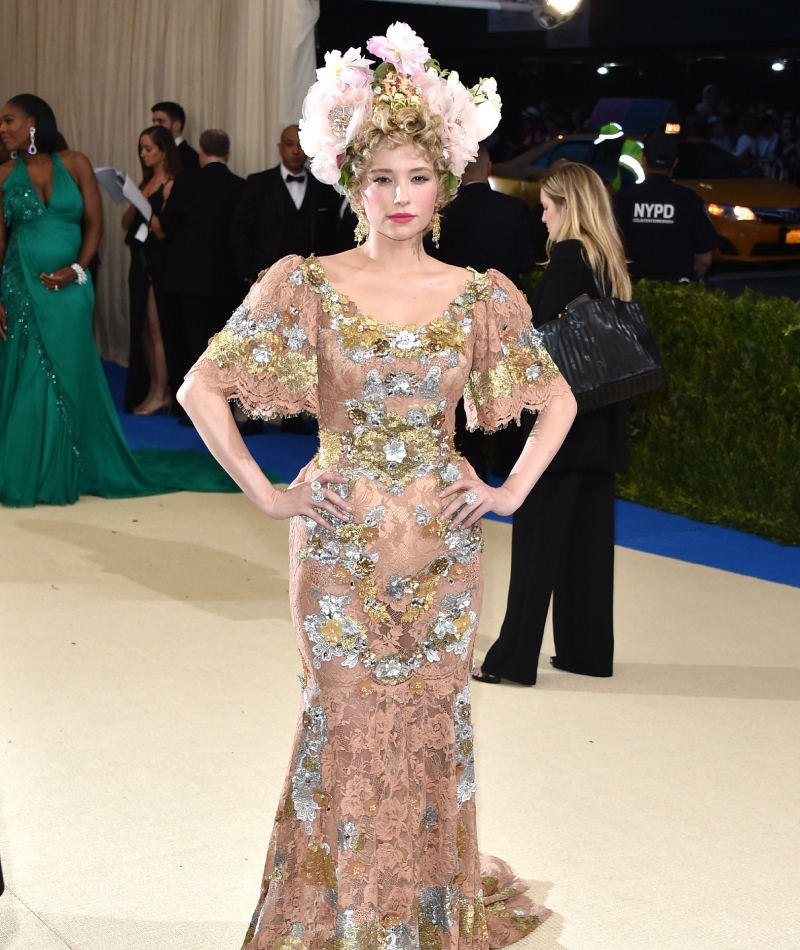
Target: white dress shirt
{"points": [[297, 189]]}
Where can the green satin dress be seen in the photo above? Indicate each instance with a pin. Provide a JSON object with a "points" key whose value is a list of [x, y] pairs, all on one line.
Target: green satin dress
{"points": [[60, 436]]}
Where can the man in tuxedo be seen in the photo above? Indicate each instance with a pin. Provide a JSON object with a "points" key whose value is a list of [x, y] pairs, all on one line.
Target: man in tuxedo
{"points": [[199, 272], [486, 229], [173, 118], [283, 210]]}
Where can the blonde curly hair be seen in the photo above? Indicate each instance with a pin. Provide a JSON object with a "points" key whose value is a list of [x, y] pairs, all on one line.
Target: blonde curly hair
{"points": [[394, 128]]}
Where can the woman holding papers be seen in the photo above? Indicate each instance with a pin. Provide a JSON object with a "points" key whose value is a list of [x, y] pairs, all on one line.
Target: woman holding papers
{"points": [[147, 387], [59, 432]]}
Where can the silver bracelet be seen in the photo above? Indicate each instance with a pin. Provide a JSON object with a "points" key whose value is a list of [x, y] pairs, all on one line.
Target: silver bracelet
{"points": [[82, 278]]}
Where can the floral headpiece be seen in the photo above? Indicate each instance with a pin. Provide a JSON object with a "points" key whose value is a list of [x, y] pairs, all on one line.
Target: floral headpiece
{"points": [[348, 91]]}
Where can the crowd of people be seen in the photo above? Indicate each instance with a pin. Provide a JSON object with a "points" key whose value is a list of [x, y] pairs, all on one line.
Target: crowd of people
{"points": [[210, 235], [761, 133]]}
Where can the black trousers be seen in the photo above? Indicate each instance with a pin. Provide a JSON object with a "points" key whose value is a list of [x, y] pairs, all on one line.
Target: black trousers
{"points": [[187, 325], [562, 544]]}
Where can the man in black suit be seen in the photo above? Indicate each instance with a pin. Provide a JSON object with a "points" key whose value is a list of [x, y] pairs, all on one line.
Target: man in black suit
{"points": [[282, 211], [486, 229], [173, 118], [199, 272]]}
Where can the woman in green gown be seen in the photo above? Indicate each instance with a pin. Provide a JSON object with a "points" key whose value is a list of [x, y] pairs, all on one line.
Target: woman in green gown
{"points": [[60, 436]]}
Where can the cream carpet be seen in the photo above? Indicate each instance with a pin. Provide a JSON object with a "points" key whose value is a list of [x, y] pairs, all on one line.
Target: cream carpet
{"points": [[149, 698]]}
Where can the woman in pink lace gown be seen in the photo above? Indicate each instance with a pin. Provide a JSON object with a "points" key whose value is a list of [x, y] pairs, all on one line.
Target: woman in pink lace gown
{"points": [[374, 845]]}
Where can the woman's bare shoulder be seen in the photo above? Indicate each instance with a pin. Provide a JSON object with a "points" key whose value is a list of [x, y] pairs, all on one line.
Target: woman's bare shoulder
{"points": [[343, 265], [75, 162], [456, 274]]}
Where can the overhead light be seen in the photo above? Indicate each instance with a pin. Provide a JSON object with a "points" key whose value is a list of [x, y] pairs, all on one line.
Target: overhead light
{"points": [[548, 13], [602, 70], [552, 13], [779, 65]]}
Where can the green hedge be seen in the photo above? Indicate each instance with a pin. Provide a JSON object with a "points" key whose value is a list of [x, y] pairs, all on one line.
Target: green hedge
{"points": [[720, 442]]}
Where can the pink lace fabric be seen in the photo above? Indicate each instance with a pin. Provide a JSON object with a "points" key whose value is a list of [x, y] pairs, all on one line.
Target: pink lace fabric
{"points": [[374, 845]]}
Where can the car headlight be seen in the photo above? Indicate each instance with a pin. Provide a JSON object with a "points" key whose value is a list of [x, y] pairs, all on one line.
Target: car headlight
{"points": [[734, 212]]}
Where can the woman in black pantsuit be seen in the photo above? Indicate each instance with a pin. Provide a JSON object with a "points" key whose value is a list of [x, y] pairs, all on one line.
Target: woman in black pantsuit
{"points": [[562, 541]]}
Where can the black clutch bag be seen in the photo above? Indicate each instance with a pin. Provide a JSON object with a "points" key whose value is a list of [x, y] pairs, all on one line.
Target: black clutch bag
{"points": [[605, 350]]}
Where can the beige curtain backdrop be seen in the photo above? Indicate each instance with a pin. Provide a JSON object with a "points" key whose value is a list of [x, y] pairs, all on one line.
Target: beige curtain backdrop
{"points": [[240, 65]]}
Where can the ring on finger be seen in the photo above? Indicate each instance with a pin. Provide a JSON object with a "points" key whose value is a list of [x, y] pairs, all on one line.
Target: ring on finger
{"points": [[316, 492], [471, 497]]}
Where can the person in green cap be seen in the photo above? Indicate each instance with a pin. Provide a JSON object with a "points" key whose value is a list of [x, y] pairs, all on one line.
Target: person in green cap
{"points": [[629, 160]]}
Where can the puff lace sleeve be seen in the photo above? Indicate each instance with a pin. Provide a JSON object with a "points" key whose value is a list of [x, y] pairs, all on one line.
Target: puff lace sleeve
{"points": [[511, 369], [265, 356]]}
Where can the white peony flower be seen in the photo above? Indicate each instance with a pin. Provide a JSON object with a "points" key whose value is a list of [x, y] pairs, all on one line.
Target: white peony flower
{"points": [[402, 48], [488, 118], [488, 107], [342, 68]]}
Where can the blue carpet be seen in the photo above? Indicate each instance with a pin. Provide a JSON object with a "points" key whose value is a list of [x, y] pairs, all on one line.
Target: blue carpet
{"points": [[637, 527], [658, 532], [275, 451]]}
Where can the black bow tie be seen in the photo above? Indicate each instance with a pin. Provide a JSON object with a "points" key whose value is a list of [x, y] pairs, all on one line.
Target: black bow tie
{"points": [[295, 178]]}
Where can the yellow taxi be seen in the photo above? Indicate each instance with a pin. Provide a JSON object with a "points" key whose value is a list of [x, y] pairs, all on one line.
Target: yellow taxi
{"points": [[756, 218]]}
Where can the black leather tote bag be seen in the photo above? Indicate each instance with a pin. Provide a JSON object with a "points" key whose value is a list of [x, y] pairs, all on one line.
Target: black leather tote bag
{"points": [[605, 349]]}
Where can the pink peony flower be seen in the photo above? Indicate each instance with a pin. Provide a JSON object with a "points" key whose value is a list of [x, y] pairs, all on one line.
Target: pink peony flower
{"points": [[402, 48], [335, 108], [341, 101]]}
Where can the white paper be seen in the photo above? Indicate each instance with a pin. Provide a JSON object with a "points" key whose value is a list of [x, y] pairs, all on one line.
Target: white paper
{"points": [[121, 188], [142, 233]]}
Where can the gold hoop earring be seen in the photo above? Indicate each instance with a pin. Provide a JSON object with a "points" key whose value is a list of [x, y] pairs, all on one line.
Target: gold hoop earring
{"points": [[436, 228], [362, 228]]}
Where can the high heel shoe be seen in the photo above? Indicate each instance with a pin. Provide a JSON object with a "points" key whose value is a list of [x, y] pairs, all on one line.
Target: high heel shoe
{"points": [[164, 406]]}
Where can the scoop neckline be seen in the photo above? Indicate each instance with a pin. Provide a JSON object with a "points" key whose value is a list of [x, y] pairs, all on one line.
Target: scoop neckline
{"points": [[391, 324]]}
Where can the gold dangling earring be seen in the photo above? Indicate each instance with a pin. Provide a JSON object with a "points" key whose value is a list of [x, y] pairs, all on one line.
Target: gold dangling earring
{"points": [[362, 228], [436, 228]]}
